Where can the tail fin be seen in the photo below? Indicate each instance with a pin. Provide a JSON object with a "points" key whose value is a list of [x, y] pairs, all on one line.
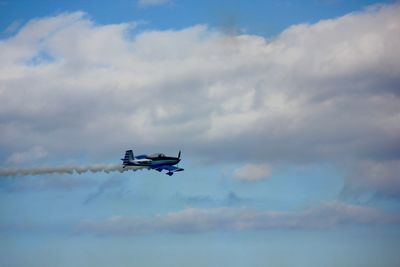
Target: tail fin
{"points": [[128, 157]]}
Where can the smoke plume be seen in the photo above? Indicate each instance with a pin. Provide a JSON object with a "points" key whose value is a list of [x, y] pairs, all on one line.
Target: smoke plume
{"points": [[67, 170]]}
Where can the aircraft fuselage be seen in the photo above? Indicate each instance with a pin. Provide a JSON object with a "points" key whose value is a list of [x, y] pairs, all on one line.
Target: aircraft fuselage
{"points": [[156, 161]]}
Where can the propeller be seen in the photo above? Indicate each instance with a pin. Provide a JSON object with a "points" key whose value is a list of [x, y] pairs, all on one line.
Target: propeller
{"points": [[179, 158]]}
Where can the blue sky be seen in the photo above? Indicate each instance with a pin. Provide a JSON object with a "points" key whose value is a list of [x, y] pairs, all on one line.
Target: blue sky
{"points": [[286, 113], [266, 18]]}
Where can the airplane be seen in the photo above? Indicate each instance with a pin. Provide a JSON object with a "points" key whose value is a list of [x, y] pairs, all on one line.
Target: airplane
{"points": [[157, 161]]}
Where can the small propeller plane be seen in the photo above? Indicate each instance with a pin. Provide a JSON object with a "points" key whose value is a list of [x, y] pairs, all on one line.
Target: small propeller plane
{"points": [[157, 161]]}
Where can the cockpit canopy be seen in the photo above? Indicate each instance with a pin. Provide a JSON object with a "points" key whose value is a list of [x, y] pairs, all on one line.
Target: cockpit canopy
{"points": [[156, 155]]}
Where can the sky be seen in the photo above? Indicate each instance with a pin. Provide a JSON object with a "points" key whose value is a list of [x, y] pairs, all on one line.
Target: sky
{"points": [[287, 114]]}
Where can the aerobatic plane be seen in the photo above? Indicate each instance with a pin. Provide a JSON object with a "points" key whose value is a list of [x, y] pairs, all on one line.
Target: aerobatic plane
{"points": [[157, 161]]}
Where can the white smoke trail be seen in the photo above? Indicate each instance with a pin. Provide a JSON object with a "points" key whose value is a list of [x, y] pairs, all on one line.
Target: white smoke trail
{"points": [[68, 170]]}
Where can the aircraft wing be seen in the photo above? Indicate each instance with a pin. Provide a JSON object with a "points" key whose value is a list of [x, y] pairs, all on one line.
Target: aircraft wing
{"points": [[169, 168]]}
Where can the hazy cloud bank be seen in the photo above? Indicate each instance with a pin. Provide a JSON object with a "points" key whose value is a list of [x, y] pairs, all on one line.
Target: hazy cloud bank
{"points": [[193, 220], [230, 199]]}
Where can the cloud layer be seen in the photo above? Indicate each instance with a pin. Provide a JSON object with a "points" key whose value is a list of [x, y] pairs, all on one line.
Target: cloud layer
{"points": [[322, 92], [193, 220]]}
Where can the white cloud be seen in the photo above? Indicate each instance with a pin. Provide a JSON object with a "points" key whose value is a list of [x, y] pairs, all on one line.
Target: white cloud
{"points": [[322, 92], [192, 220], [252, 172], [145, 3], [26, 157]]}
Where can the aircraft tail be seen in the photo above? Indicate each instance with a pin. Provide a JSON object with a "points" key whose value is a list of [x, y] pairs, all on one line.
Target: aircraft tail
{"points": [[128, 157]]}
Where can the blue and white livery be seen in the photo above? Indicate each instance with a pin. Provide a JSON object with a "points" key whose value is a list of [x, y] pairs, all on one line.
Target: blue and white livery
{"points": [[157, 161]]}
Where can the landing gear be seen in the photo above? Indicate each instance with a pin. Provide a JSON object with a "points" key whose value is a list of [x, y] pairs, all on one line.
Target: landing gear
{"points": [[169, 173]]}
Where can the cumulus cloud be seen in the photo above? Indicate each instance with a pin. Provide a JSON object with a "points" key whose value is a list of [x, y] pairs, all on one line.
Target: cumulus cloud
{"points": [[327, 91], [193, 220], [252, 172]]}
